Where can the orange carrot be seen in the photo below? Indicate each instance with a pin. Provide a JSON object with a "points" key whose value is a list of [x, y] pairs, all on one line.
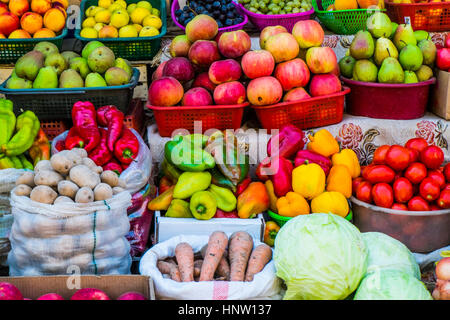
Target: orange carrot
{"points": [[217, 244], [197, 267], [223, 269], [185, 259], [241, 245], [260, 256], [170, 269]]}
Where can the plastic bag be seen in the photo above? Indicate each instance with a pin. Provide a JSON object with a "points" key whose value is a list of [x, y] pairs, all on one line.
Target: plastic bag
{"points": [[48, 239], [6, 220], [8, 179], [265, 285], [137, 174]]}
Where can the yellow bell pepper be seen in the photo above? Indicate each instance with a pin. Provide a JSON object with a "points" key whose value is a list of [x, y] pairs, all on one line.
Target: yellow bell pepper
{"points": [[330, 202], [348, 158], [340, 180], [323, 143], [272, 197], [292, 205], [308, 180]]}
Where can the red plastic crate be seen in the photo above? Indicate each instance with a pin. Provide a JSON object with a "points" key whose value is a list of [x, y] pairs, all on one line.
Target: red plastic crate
{"points": [[304, 114], [221, 117], [54, 128], [135, 117], [431, 16]]}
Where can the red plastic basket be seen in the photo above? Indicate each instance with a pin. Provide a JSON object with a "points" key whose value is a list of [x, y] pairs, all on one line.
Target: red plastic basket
{"points": [[221, 117], [264, 20], [431, 16], [388, 101], [304, 114]]}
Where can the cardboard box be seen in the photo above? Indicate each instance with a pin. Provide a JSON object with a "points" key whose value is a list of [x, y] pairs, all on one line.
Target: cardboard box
{"points": [[440, 104], [112, 285], [166, 228]]}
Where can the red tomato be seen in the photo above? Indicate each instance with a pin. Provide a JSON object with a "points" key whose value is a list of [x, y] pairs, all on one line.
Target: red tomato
{"points": [[429, 190], [413, 155], [438, 177], [446, 186], [416, 172], [364, 192], [399, 206], [379, 173], [446, 172], [382, 195], [434, 207], [397, 157], [418, 144], [444, 199], [418, 203], [355, 184], [379, 156], [432, 157], [403, 190]]}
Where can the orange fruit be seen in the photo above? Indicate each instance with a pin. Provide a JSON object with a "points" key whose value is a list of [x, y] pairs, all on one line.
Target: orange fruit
{"points": [[54, 20], [44, 33], [345, 4], [31, 22], [41, 6], [19, 34]]}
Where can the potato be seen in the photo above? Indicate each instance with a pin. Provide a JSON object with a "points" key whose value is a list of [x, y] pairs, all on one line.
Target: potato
{"points": [[23, 190], [67, 188], [48, 178], [103, 191], [88, 162], [110, 177], [61, 163], [43, 165], [62, 199], [74, 156], [98, 170], [81, 152], [26, 178], [117, 190], [84, 195], [43, 194], [84, 177]]}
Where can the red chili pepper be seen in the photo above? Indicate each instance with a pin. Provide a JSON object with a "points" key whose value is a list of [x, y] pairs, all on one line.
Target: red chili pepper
{"points": [[73, 140], [111, 117], [127, 147], [113, 165], [242, 186], [101, 155], [84, 118], [290, 140]]}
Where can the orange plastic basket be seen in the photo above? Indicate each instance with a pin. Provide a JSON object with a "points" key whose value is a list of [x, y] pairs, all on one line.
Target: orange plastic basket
{"points": [[54, 128], [429, 16], [304, 114], [221, 117]]}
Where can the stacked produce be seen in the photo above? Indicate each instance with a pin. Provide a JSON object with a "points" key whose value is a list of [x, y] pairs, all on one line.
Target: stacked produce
{"points": [[276, 6], [117, 19], [398, 55], [21, 19], [315, 180], [443, 56], [21, 139], [409, 177], [222, 259], [355, 4], [442, 289], [45, 68], [206, 177]]}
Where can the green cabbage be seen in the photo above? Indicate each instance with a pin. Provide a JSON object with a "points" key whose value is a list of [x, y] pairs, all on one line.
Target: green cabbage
{"points": [[320, 256], [388, 253], [390, 284]]}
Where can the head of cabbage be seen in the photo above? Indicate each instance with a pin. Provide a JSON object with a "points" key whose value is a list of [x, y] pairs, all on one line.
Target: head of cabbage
{"points": [[386, 252], [320, 256], [391, 284]]}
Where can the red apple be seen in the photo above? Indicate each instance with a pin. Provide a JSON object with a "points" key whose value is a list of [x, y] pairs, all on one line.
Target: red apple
{"points": [[202, 80], [197, 97], [224, 71], [180, 68], [90, 294], [269, 31], [447, 41], [308, 33], [132, 296], [229, 93], [158, 73], [9, 291], [324, 84], [234, 44], [50, 296], [442, 58], [166, 91], [257, 63], [264, 91], [293, 73], [321, 59]]}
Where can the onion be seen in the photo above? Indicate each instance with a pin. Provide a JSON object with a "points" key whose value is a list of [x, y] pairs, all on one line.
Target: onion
{"points": [[444, 291], [443, 269]]}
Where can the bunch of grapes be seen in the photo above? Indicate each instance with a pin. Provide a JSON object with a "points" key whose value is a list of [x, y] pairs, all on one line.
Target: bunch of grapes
{"points": [[276, 6]]}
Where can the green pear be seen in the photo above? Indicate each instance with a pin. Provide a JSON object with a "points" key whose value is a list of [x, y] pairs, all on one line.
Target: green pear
{"points": [[28, 65], [101, 59], [365, 70], [14, 82], [362, 46], [70, 79], [80, 65], [94, 79], [69, 55], [403, 36], [394, 28], [410, 77], [421, 35], [429, 51], [57, 61], [410, 57], [125, 65], [346, 65], [46, 47], [384, 48], [391, 71], [47, 78], [89, 47], [424, 73], [379, 25], [116, 76]]}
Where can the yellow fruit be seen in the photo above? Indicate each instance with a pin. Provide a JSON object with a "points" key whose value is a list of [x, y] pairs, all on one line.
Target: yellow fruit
{"points": [[148, 32], [345, 4], [138, 27], [152, 21], [108, 32], [122, 3], [88, 33], [89, 22], [128, 31], [104, 3], [103, 16], [98, 26], [144, 4], [119, 18], [92, 10], [131, 8], [139, 14], [155, 12], [114, 7]]}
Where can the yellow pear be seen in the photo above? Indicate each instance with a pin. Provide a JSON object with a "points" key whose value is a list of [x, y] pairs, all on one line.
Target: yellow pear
{"points": [[139, 14], [152, 21], [92, 10], [119, 18], [89, 22], [114, 7], [88, 33], [148, 32], [144, 4], [131, 8], [103, 16], [122, 3], [128, 31], [105, 3]]}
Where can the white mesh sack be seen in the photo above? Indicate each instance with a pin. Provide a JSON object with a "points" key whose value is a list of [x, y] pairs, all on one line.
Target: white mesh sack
{"points": [[48, 239], [8, 179]]}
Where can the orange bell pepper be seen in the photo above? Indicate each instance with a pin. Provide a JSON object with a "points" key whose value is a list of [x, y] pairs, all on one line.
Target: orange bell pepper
{"points": [[272, 197], [162, 202], [308, 180], [292, 205], [270, 232], [253, 200], [323, 143], [348, 158], [340, 180], [40, 149]]}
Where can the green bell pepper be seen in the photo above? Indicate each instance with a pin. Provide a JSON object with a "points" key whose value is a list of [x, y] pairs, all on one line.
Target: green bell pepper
{"points": [[17, 162], [25, 163], [191, 182], [203, 205], [6, 163], [179, 209], [7, 121], [27, 127], [226, 201]]}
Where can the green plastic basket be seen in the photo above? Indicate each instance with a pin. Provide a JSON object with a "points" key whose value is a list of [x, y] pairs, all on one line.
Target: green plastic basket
{"points": [[133, 49], [281, 220], [12, 49], [344, 22]]}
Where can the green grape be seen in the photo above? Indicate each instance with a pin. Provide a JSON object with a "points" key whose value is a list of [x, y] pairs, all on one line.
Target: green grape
{"points": [[288, 9], [282, 12], [270, 6], [276, 1], [253, 10], [262, 5], [259, 12], [303, 10], [290, 3], [297, 3], [265, 10], [281, 4], [266, 1], [295, 10], [276, 9]]}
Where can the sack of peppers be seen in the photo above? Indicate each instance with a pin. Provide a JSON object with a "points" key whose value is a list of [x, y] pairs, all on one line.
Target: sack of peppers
{"points": [[22, 141], [206, 177]]}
